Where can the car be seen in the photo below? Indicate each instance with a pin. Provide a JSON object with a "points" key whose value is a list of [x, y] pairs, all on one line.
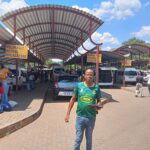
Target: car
{"points": [[12, 77], [127, 74], [57, 71], [64, 85]]}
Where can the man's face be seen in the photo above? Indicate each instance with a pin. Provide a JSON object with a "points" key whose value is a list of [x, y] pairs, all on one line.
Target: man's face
{"points": [[89, 75]]}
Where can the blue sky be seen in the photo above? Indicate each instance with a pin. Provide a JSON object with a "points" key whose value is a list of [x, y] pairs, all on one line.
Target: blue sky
{"points": [[123, 19]]}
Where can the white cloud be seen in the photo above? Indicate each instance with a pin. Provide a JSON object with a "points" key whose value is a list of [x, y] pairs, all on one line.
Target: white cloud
{"points": [[105, 38], [144, 31], [11, 5], [107, 48], [147, 4], [82, 8], [147, 42], [115, 9]]}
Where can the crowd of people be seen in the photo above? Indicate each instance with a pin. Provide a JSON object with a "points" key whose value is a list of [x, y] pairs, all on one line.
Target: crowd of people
{"points": [[28, 82]]}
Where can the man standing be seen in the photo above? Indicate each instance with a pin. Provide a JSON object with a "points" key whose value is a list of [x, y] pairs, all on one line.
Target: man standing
{"points": [[139, 85], [88, 95]]}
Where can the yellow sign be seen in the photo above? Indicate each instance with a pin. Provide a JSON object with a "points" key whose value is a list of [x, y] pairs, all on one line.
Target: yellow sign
{"points": [[16, 51], [127, 63], [91, 57]]}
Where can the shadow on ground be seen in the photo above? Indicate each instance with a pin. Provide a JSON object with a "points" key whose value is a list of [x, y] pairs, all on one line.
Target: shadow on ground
{"points": [[50, 98], [24, 98]]}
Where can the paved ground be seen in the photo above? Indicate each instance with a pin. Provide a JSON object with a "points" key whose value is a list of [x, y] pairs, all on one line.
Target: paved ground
{"points": [[123, 124], [29, 102]]}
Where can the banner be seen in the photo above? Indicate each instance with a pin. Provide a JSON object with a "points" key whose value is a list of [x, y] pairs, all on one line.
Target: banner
{"points": [[16, 51], [91, 57], [126, 63]]}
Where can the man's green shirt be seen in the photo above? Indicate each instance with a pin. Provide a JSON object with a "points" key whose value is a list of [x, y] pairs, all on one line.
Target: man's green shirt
{"points": [[86, 96]]}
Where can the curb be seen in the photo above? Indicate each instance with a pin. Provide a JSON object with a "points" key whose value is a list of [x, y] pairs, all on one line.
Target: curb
{"points": [[20, 124]]}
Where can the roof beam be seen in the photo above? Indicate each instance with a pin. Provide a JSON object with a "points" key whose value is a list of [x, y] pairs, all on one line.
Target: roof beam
{"points": [[61, 43], [67, 9], [47, 23], [41, 39]]}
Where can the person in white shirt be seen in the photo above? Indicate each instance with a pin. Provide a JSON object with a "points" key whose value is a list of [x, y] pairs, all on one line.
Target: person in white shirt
{"points": [[148, 81]]}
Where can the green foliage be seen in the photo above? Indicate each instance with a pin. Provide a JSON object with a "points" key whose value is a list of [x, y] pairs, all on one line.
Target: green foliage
{"points": [[49, 62], [134, 41]]}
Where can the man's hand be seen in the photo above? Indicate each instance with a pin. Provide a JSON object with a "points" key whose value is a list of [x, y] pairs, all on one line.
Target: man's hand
{"points": [[98, 108], [67, 118]]}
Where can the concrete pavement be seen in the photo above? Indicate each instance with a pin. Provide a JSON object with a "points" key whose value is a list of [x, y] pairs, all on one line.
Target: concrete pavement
{"points": [[29, 108], [123, 124]]}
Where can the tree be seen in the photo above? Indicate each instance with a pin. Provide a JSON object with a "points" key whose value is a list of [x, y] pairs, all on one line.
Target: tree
{"points": [[49, 62], [134, 41]]}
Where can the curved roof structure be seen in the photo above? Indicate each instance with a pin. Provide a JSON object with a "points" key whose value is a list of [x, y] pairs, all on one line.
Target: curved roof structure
{"points": [[134, 49], [106, 57], [6, 37], [51, 31]]}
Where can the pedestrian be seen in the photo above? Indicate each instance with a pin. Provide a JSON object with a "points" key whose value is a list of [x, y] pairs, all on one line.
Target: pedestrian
{"points": [[139, 85], [87, 94], [31, 80], [147, 78], [3, 78], [1, 91]]}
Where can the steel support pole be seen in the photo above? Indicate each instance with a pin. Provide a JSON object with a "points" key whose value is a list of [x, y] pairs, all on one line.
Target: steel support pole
{"points": [[17, 72], [82, 64], [16, 59], [97, 64], [123, 73]]}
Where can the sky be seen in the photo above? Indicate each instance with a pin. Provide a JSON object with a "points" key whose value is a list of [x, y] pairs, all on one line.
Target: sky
{"points": [[123, 19]]}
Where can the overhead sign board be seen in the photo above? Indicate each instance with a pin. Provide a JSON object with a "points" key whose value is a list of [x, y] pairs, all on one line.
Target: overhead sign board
{"points": [[91, 57], [16, 51], [127, 63]]}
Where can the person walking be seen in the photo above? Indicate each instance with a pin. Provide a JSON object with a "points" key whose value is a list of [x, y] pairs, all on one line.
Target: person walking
{"points": [[139, 85], [147, 78], [88, 96], [3, 78]]}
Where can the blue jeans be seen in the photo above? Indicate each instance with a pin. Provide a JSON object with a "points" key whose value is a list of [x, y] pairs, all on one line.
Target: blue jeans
{"points": [[30, 85], [5, 95], [84, 124]]}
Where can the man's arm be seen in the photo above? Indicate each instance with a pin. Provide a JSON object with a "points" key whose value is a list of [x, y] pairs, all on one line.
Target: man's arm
{"points": [[71, 104]]}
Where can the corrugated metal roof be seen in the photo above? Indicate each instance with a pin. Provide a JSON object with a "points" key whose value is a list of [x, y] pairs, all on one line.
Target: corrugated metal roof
{"points": [[5, 37], [134, 49], [8, 37], [51, 30], [107, 56]]}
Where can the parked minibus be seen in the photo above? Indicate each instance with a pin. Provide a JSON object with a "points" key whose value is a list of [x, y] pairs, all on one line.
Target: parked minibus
{"points": [[107, 76], [127, 74]]}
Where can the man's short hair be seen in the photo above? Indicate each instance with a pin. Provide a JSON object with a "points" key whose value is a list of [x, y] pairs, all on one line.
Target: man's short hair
{"points": [[89, 70]]}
